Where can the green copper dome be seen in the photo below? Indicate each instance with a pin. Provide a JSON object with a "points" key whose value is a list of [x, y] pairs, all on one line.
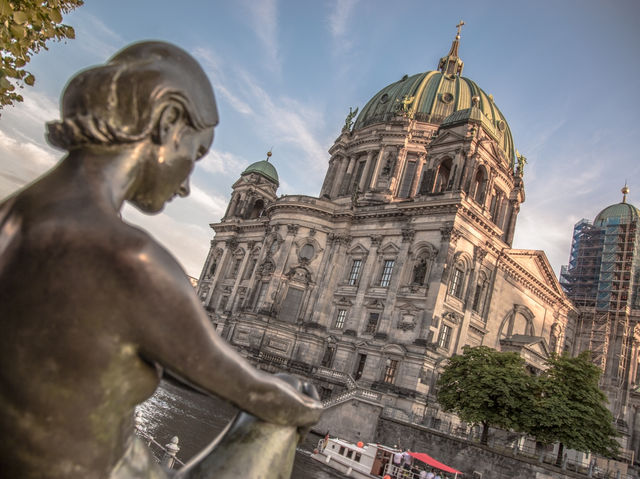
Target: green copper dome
{"points": [[625, 212], [434, 96], [263, 168]]}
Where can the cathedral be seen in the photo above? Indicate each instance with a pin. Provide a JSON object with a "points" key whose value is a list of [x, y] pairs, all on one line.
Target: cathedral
{"points": [[602, 279], [403, 259]]}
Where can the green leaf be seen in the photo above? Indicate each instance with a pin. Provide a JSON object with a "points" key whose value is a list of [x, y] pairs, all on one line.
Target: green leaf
{"points": [[30, 79], [20, 17], [55, 15], [5, 8]]}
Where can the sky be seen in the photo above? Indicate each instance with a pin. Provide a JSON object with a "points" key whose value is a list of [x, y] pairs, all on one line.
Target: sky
{"points": [[285, 73]]}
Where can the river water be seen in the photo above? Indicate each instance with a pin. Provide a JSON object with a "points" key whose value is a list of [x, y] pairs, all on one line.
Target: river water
{"points": [[197, 419]]}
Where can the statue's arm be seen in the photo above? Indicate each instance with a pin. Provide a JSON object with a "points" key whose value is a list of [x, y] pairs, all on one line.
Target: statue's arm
{"points": [[174, 331]]}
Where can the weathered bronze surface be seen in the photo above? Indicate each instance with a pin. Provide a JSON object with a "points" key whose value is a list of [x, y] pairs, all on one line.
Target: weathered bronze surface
{"points": [[93, 309]]}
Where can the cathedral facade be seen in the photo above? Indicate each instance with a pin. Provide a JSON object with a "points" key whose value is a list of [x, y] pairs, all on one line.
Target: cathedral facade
{"points": [[403, 259]]}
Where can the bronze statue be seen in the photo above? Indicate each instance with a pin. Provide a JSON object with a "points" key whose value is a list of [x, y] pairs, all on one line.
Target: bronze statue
{"points": [[93, 309], [348, 122], [522, 160]]}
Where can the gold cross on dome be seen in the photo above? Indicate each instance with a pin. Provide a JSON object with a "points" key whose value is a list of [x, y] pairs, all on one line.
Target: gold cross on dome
{"points": [[459, 26]]}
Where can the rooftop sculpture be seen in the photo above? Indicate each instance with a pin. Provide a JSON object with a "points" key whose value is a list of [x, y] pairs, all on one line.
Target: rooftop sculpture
{"points": [[93, 310]]}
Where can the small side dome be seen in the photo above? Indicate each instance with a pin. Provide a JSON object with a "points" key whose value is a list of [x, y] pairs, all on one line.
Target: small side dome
{"points": [[263, 168], [624, 212]]}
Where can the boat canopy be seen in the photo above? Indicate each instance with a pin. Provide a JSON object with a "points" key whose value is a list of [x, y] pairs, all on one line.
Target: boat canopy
{"points": [[427, 459]]}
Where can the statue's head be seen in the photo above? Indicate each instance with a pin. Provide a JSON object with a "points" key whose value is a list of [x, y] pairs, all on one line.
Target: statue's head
{"points": [[150, 92]]}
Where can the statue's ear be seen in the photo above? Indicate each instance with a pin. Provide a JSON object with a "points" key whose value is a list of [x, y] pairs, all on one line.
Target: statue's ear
{"points": [[171, 117]]}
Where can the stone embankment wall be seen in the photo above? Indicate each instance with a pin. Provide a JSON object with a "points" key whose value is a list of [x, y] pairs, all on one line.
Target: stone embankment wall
{"points": [[352, 420], [474, 460]]}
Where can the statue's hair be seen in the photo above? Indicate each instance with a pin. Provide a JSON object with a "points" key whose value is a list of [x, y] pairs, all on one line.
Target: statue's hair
{"points": [[120, 102]]}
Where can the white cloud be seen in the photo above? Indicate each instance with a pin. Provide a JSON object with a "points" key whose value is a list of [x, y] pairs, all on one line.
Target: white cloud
{"points": [[222, 162], [22, 162], [213, 67], [215, 205], [95, 37], [339, 17], [290, 122], [263, 19]]}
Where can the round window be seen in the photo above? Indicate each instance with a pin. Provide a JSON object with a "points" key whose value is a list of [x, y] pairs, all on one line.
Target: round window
{"points": [[447, 97], [384, 98], [306, 252]]}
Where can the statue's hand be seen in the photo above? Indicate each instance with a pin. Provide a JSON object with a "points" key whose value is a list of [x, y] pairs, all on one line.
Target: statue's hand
{"points": [[310, 408]]}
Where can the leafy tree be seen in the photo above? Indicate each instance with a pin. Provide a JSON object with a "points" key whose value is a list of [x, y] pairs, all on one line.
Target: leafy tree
{"points": [[25, 27], [488, 387], [569, 408]]}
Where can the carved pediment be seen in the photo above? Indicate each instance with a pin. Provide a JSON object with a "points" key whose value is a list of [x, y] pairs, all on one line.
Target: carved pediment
{"points": [[299, 274], [375, 304], [537, 264], [526, 346], [394, 349], [446, 137], [452, 317], [389, 248], [344, 301], [358, 249]]}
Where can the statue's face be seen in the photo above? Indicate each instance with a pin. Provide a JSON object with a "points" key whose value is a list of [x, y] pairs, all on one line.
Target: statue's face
{"points": [[166, 175]]}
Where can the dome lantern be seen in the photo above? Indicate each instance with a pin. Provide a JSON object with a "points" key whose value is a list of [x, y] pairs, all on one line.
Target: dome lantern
{"points": [[452, 64]]}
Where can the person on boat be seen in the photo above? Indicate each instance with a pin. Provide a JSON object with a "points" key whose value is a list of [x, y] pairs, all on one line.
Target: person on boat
{"points": [[93, 309]]}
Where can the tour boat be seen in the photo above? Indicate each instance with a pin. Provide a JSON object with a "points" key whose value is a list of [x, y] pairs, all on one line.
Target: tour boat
{"points": [[354, 460], [365, 461]]}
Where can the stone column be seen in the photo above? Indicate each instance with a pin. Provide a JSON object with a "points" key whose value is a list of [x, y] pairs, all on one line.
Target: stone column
{"points": [[327, 184], [283, 252], [386, 317], [415, 184], [230, 245], [478, 257], [364, 184], [336, 187], [355, 318], [346, 179], [238, 280], [327, 277], [376, 170]]}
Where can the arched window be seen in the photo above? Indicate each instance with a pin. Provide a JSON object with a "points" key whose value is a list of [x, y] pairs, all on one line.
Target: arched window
{"points": [[458, 276], [422, 267], [517, 321], [456, 283], [496, 207], [478, 186], [442, 176], [257, 210], [480, 293], [407, 180]]}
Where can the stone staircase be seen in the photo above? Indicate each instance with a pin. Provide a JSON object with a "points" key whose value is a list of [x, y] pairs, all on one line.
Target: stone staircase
{"points": [[353, 389]]}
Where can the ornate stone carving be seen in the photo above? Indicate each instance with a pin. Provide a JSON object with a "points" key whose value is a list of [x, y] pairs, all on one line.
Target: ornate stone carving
{"points": [[452, 317], [479, 254], [376, 240], [266, 268], [292, 229], [231, 243], [407, 235], [451, 234], [340, 239]]}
